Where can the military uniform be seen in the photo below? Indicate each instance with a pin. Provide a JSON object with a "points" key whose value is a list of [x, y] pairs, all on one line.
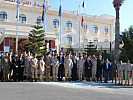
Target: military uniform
{"points": [[80, 69], [41, 69], [127, 73], [94, 69], [47, 65], [120, 69], [34, 65], [27, 66], [5, 68], [55, 65], [68, 67]]}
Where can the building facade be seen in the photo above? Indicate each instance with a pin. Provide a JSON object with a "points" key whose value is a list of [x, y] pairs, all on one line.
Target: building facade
{"points": [[99, 29]]}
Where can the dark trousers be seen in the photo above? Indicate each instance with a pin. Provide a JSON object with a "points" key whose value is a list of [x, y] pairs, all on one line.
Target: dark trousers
{"points": [[113, 75], [99, 74], [88, 75], [15, 74], [20, 73], [74, 74], [1, 75], [60, 72], [106, 75]]}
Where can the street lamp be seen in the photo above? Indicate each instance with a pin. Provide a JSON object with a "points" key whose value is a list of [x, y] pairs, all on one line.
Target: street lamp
{"points": [[117, 4]]}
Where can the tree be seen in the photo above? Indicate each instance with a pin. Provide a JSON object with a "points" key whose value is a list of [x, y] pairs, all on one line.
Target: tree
{"points": [[117, 4], [36, 39], [90, 49], [127, 50]]}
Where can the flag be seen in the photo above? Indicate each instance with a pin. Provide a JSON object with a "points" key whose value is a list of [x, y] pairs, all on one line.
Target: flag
{"points": [[83, 5], [82, 21], [17, 9], [43, 13], [60, 11]]}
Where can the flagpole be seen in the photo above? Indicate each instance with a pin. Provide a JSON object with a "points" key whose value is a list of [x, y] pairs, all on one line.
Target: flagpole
{"points": [[79, 28], [60, 26], [44, 21], [17, 26]]}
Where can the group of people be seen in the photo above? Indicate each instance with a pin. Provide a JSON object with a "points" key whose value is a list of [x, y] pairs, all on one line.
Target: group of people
{"points": [[15, 66]]}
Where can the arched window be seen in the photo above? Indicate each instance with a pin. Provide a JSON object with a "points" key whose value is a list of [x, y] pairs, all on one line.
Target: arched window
{"points": [[69, 25], [85, 27], [69, 39], [106, 30], [22, 18], [39, 20], [95, 40], [106, 40], [56, 23], [3, 16], [95, 29]]}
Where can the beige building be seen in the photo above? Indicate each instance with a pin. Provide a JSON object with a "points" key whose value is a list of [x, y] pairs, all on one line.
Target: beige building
{"points": [[99, 29]]}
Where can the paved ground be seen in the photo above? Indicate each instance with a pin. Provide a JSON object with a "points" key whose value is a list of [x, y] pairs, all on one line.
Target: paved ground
{"points": [[64, 91]]}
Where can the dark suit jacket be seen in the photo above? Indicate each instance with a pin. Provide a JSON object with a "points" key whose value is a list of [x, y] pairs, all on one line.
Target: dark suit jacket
{"points": [[99, 65], [88, 65], [74, 65], [105, 68], [60, 59]]}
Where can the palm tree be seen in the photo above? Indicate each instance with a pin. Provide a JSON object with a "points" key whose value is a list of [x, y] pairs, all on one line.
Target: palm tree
{"points": [[117, 4]]}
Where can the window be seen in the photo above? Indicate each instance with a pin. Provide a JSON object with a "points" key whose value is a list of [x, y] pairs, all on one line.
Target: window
{"points": [[69, 25], [3, 16], [56, 23], [95, 40], [85, 27], [106, 30], [39, 20], [22, 18], [95, 29], [106, 40], [69, 39]]}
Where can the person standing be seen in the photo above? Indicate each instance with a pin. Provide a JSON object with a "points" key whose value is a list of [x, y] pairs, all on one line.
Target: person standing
{"points": [[120, 69], [55, 65], [80, 68], [2, 64], [127, 72], [47, 65], [10, 65], [74, 68], [88, 65], [68, 67], [15, 67], [94, 67], [99, 68], [106, 69], [41, 68], [27, 66], [114, 71], [34, 65], [21, 68], [5, 67], [83, 70], [61, 67]]}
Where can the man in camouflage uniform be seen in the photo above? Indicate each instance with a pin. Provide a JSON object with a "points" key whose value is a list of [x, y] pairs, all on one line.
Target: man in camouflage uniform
{"points": [[127, 72], [55, 65], [5, 67], [68, 67], [80, 68], [113, 71], [120, 69], [47, 65], [27, 66], [41, 68], [34, 65]]}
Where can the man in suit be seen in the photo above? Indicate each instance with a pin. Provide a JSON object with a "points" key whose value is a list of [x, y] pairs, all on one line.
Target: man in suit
{"points": [[74, 69], [61, 66], [99, 68], [106, 69], [88, 65]]}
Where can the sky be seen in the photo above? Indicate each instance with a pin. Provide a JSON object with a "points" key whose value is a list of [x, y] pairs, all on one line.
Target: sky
{"points": [[99, 7]]}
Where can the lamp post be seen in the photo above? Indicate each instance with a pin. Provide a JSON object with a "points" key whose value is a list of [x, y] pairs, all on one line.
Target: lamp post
{"points": [[117, 4]]}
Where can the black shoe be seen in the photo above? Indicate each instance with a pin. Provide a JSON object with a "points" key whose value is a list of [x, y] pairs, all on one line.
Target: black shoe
{"points": [[35, 80]]}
